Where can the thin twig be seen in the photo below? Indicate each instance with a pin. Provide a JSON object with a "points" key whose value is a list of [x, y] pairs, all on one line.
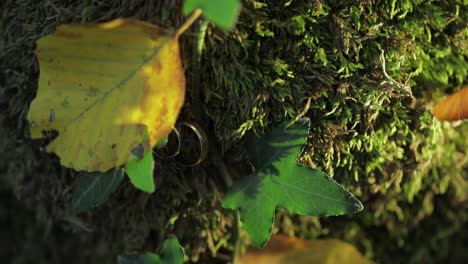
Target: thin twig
{"points": [[390, 80], [213, 147], [188, 22], [302, 113], [78, 223]]}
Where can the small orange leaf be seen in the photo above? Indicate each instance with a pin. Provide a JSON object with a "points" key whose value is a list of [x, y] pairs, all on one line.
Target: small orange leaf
{"points": [[107, 88], [453, 107], [284, 250]]}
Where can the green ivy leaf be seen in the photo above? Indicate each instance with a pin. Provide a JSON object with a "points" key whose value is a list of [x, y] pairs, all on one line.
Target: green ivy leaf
{"points": [[171, 253], [140, 172], [281, 183], [93, 189], [223, 13]]}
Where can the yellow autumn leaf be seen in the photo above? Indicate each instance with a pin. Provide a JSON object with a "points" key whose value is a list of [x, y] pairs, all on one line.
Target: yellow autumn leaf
{"points": [[107, 89], [284, 250]]}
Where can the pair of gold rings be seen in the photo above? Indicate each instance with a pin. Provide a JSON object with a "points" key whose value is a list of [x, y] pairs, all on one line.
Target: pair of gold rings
{"points": [[202, 141]]}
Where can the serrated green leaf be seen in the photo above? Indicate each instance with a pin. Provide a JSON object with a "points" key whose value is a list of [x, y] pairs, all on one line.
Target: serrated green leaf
{"points": [[281, 183], [171, 253], [93, 189], [222, 13], [140, 172]]}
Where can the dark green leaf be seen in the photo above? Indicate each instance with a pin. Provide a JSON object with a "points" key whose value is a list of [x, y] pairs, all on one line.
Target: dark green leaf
{"points": [[93, 189], [171, 253], [144, 258], [223, 13], [140, 172], [281, 183]]}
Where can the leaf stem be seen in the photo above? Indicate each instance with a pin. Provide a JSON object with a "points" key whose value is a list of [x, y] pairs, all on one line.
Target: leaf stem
{"points": [[237, 233], [188, 22]]}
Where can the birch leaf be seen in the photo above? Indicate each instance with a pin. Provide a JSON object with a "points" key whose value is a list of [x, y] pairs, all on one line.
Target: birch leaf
{"points": [[106, 89]]}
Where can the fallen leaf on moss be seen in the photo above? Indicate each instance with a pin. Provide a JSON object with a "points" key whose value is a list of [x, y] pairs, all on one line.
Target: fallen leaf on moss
{"points": [[283, 250], [453, 107], [106, 88]]}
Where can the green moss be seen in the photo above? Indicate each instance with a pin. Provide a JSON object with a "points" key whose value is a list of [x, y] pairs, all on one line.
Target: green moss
{"points": [[368, 130]]}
